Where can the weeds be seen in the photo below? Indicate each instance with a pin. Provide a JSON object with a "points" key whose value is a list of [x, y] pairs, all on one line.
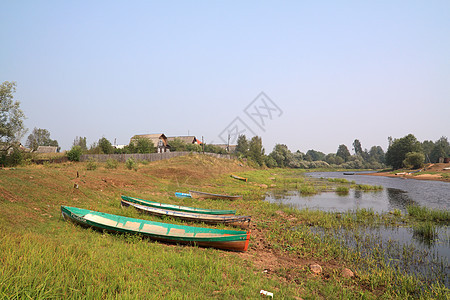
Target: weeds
{"points": [[131, 164], [91, 165], [423, 213], [111, 164]]}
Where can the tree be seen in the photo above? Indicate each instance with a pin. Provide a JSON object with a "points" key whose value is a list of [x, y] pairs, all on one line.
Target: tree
{"points": [[256, 150], [376, 154], [441, 148], [40, 137], [396, 153], [177, 145], [242, 146], [343, 152], [105, 146], [427, 147], [75, 153], [144, 145], [357, 147], [80, 141], [414, 160], [315, 155], [281, 155], [12, 128]]}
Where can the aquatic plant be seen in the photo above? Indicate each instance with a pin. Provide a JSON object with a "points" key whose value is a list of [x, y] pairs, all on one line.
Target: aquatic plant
{"points": [[425, 232], [342, 190], [423, 213], [307, 189]]}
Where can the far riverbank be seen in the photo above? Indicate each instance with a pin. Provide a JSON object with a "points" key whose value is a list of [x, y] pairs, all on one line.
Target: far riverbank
{"points": [[436, 172]]}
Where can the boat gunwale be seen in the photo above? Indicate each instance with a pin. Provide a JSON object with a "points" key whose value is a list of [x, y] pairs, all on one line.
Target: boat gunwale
{"points": [[211, 219], [215, 196], [175, 207]]}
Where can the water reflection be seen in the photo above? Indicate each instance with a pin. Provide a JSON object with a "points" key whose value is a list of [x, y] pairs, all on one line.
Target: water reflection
{"points": [[400, 248], [433, 194], [380, 201]]}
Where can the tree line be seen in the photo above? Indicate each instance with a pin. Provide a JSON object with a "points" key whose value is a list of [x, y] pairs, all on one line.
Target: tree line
{"points": [[405, 152]]}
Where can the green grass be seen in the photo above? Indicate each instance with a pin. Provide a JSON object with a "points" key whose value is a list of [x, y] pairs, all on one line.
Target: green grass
{"points": [[338, 180], [42, 256], [342, 190], [366, 187], [422, 213]]}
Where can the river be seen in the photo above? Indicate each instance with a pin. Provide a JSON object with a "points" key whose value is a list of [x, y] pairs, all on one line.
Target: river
{"points": [[397, 193], [425, 258]]}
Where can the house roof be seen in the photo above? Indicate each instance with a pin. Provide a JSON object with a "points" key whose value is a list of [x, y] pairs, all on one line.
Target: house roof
{"points": [[231, 148], [46, 149], [188, 139]]}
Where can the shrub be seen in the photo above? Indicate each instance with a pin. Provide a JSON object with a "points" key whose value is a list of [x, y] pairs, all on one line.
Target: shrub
{"points": [[75, 153], [111, 163], [131, 164], [414, 160], [91, 165], [16, 158]]}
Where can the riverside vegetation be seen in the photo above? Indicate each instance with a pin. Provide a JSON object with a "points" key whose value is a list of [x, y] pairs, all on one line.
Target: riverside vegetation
{"points": [[42, 256]]}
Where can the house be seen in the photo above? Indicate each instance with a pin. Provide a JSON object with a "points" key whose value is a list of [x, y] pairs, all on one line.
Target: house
{"points": [[9, 148], [189, 139], [46, 149], [159, 140], [226, 147]]}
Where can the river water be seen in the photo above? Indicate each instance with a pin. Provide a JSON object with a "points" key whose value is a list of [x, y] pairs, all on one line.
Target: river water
{"points": [[397, 193], [402, 247]]}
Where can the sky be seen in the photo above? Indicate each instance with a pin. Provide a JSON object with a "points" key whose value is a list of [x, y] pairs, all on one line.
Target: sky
{"points": [[308, 74]]}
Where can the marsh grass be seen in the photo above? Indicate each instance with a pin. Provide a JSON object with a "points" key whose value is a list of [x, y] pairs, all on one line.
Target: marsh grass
{"points": [[307, 189], [423, 213], [338, 180], [426, 232], [342, 190], [366, 187]]}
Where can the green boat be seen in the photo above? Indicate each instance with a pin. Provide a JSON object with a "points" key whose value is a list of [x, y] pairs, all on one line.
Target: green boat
{"points": [[188, 216], [203, 195], [178, 207], [234, 240]]}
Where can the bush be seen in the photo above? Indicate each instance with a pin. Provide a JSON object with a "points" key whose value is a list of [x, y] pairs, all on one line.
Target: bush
{"points": [[16, 157], [111, 163], [75, 153], [131, 164], [91, 165], [414, 160]]}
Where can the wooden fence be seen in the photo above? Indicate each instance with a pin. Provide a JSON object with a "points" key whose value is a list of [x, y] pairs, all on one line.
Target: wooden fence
{"points": [[145, 156]]}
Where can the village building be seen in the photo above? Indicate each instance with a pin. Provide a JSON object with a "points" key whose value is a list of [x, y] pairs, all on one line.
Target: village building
{"points": [[46, 149], [159, 140], [188, 139], [226, 147]]}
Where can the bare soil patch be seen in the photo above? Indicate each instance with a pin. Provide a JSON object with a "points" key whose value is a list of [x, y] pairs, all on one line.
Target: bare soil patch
{"points": [[436, 172]]}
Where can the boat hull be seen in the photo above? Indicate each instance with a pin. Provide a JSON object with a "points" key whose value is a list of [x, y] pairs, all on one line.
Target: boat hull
{"points": [[178, 207], [239, 177], [170, 233], [187, 216], [182, 195], [203, 195]]}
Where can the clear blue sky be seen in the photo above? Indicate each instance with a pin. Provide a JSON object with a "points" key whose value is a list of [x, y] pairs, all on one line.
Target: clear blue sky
{"points": [[337, 70]]}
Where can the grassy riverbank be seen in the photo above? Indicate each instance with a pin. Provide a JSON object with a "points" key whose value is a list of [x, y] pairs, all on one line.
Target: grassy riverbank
{"points": [[42, 256]]}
